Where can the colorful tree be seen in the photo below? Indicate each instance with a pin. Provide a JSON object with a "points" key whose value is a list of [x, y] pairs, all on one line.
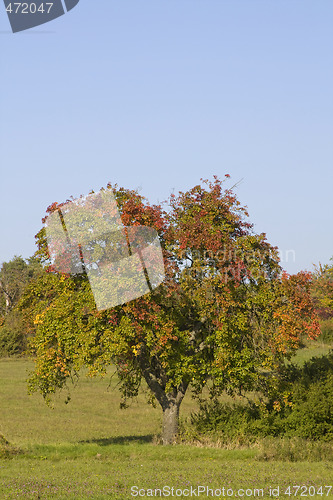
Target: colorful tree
{"points": [[224, 318]]}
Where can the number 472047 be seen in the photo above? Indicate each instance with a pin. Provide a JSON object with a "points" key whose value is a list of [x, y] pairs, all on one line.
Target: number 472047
{"points": [[29, 8]]}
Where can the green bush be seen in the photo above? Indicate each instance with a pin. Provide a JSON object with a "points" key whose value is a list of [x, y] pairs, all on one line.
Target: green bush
{"points": [[231, 420], [301, 407], [311, 416], [234, 422]]}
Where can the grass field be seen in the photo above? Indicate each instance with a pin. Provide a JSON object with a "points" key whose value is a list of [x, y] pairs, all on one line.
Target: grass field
{"points": [[92, 449], [312, 348]]}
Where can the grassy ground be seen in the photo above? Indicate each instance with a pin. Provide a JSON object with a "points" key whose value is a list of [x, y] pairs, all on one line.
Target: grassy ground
{"points": [[92, 449], [312, 348], [73, 472]]}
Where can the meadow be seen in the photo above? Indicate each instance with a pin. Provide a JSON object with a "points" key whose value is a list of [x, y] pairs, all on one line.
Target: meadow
{"points": [[90, 448]]}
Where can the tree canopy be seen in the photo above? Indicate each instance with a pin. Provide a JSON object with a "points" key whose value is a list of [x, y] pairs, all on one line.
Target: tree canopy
{"points": [[224, 318]]}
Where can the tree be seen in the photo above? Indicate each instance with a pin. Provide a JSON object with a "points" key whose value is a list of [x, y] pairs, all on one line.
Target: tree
{"points": [[322, 294], [225, 316], [322, 289], [14, 277]]}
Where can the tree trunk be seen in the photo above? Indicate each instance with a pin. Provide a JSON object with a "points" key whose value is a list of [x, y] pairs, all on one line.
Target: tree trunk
{"points": [[170, 421], [7, 298], [170, 401]]}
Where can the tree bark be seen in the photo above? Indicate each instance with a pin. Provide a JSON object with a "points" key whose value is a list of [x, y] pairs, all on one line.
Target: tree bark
{"points": [[170, 401], [7, 297], [170, 422]]}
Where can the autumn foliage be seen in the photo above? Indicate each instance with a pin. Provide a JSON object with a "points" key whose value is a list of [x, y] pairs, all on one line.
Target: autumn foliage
{"points": [[225, 317]]}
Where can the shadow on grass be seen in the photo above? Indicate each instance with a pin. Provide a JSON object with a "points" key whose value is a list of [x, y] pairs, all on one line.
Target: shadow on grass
{"points": [[149, 438], [7, 450]]}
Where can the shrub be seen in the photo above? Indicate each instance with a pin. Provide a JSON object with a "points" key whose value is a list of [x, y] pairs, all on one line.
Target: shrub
{"points": [[312, 395], [231, 420], [301, 407]]}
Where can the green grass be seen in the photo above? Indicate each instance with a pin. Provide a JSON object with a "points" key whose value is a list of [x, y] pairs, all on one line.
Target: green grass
{"points": [[92, 449], [311, 349], [93, 412], [116, 469]]}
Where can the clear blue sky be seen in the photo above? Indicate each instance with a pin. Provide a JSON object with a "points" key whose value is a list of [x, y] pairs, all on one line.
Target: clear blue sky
{"points": [[155, 94]]}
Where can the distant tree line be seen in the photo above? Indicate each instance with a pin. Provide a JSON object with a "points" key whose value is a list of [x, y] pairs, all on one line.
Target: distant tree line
{"points": [[15, 276]]}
